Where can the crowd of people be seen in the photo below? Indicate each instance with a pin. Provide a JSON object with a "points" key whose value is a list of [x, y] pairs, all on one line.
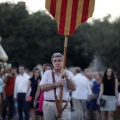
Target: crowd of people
{"points": [[92, 96]]}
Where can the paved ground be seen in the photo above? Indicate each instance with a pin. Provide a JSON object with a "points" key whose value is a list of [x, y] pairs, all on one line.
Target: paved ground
{"points": [[72, 117]]}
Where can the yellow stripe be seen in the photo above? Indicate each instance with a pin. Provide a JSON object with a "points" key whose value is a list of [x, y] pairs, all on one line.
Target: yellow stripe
{"points": [[47, 5], [68, 17], [91, 8], [58, 12], [79, 12]]}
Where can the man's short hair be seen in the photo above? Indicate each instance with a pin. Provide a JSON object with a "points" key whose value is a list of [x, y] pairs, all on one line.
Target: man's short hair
{"points": [[13, 67], [21, 65], [77, 69], [57, 55]]}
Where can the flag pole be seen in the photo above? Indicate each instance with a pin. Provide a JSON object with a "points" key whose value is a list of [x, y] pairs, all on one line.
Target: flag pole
{"points": [[64, 65]]}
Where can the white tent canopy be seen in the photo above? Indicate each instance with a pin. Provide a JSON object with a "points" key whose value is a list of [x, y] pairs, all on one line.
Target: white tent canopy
{"points": [[3, 55]]}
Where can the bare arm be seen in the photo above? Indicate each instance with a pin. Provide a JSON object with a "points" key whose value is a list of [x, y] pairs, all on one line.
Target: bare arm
{"points": [[101, 93], [47, 87], [116, 88], [69, 81], [38, 92], [5, 79], [71, 84], [28, 88]]}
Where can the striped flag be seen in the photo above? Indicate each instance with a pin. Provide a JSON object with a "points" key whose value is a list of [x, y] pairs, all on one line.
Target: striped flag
{"points": [[69, 14]]}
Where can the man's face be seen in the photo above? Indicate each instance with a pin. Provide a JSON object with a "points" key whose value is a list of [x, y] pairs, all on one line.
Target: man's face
{"points": [[57, 63], [21, 70], [13, 71]]}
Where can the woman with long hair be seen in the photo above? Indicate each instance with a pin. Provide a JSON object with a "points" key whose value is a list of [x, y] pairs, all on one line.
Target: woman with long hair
{"points": [[33, 83], [109, 93], [39, 110]]}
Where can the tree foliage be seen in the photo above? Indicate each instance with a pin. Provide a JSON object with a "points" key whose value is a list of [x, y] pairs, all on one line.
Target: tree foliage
{"points": [[30, 39], [105, 41]]}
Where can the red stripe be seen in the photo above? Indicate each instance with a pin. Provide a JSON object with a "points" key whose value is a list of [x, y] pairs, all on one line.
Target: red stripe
{"points": [[73, 16], [62, 17], [85, 10], [53, 8]]}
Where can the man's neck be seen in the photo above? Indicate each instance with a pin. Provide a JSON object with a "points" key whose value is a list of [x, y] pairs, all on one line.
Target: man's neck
{"points": [[22, 74], [13, 75], [57, 71]]}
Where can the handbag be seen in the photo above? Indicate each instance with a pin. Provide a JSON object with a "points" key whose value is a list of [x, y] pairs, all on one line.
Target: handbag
{"points": [[102, 102], [36, 104]]}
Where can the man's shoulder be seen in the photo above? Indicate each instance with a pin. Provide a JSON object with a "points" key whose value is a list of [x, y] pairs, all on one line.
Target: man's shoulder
{"points": [[69, 72], [48, 72], [24, 75], [17, 76], [80, 76]]}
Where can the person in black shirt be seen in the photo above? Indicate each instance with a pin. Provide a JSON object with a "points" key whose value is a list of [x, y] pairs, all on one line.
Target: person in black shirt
{"points": [[108, 92], [33, 83], [118, 78]]}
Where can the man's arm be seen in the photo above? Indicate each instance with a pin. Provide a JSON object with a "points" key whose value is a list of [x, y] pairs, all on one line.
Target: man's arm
{"points": [[69, 81], [47, 87], [15, 90], [71, 84]]}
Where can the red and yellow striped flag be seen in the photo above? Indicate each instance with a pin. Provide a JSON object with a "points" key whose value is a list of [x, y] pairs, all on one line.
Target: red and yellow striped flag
{"points": [[69, 14]]}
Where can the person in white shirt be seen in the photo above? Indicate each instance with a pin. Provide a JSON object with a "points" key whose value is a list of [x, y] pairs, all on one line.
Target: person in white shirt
{"points": [[47, 85], [80, 95], [1, 91], [20, 90], [1, 87]]}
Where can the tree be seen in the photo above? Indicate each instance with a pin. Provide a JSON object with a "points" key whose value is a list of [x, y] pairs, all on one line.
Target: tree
{"points": [[30, 39], [105, 41]]}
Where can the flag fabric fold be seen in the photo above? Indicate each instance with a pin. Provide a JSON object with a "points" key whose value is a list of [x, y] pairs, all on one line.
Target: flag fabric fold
{"points": [[69, 14]]}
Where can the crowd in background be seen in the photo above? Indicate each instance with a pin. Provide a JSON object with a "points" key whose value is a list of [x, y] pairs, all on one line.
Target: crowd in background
{"points": [[98, 99], [19, 92]]}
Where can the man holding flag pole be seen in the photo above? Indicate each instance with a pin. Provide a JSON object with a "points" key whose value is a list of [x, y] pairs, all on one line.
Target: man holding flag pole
{"points": [[50, 83], [69, 14]]}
